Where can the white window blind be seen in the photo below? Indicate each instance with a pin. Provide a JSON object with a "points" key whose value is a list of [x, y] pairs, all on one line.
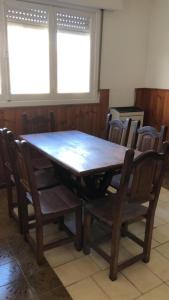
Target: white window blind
{"points": [[73, 51], [27, 16], [28, 50], [72, 22]]}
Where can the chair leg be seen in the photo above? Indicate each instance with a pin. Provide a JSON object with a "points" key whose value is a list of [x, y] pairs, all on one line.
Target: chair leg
{"points": [[39, 244], [61, 223], [124, 229], [87, 232], [10, 197], [114, 252], [78, 238], [25, 219], [148, 239]]}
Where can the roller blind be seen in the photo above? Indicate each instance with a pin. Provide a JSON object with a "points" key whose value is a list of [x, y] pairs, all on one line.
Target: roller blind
{"points": [[27, 15], [72, 22]]}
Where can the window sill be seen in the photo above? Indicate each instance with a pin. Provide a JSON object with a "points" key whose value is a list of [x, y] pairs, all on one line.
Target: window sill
{"points": [[45, 102]]}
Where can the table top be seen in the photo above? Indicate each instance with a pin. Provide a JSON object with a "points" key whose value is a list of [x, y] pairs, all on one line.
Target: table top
{"points": [[81, 153]]}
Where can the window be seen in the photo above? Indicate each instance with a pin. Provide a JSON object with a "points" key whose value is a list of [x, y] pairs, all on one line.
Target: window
{"points": [[52, 53], [28, 49], [73, 53]]}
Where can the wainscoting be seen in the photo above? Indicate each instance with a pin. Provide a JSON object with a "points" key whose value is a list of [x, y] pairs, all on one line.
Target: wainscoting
{"points": [[155, 103]]}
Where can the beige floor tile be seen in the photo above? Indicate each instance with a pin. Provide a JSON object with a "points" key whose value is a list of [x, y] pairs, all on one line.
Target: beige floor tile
{"points": [[120, 289], [162, 214], [76, 270], [161, 233], [123, 253], [76, 254], [59, 255], [130, 246], [164, 194], [31, 211], [154, 243], [159, 293], [159, 221], [137, 227], [51, 233], [164, 249], [159, 265], [86, 290], [99, 260], [134, 248], [141, 277]]}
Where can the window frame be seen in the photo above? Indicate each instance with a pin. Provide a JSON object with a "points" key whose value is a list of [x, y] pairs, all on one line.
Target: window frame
{"points": [[51, 98]]}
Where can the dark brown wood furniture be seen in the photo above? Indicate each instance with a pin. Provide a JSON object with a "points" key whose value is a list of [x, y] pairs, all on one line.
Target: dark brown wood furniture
{"points": [[139, 184], [144, 138], [108, 119], [9, 178], [39, 124], [49, 204], [148, 138], [80, 153], [43, 179], [118, 131]]}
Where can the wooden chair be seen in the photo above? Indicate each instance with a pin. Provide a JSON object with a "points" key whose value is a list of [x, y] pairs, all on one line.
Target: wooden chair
{"points": [[148, 138], [43, 179], [144, 139], [118, 131], [39, 124], [108, 119], [49, 204], [139, 184], [7, 168]]}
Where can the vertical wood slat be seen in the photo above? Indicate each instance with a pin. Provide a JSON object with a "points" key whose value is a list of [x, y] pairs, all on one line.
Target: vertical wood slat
{"points": [[89, 118], [155, 103]]}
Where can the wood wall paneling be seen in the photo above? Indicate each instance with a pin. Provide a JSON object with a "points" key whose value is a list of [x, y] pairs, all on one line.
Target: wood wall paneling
{"points": [[89, 118], [155, 103]]}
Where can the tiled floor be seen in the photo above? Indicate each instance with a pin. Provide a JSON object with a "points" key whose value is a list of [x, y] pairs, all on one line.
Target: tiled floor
{"points": [[83, 277], [86, 277], [20, 277]]}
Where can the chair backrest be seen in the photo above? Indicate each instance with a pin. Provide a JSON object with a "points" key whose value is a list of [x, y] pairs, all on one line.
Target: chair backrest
{"points": [[38, 123], [108, 119], [148, 138], [133, 133], [4, 150], [139, 180], [23, 165], [119, 131]]}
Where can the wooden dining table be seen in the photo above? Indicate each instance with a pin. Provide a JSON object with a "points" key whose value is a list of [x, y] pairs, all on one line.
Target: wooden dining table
{"points": [[81, 154]]}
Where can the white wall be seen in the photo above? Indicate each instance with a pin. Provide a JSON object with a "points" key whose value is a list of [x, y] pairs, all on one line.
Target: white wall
{"points": [[106, 4], [157, 75], [124, 52]]}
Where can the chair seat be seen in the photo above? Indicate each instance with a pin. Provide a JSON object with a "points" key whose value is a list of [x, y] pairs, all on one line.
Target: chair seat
{"points": [[105, 210], [46, 178], [57, 201]]}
